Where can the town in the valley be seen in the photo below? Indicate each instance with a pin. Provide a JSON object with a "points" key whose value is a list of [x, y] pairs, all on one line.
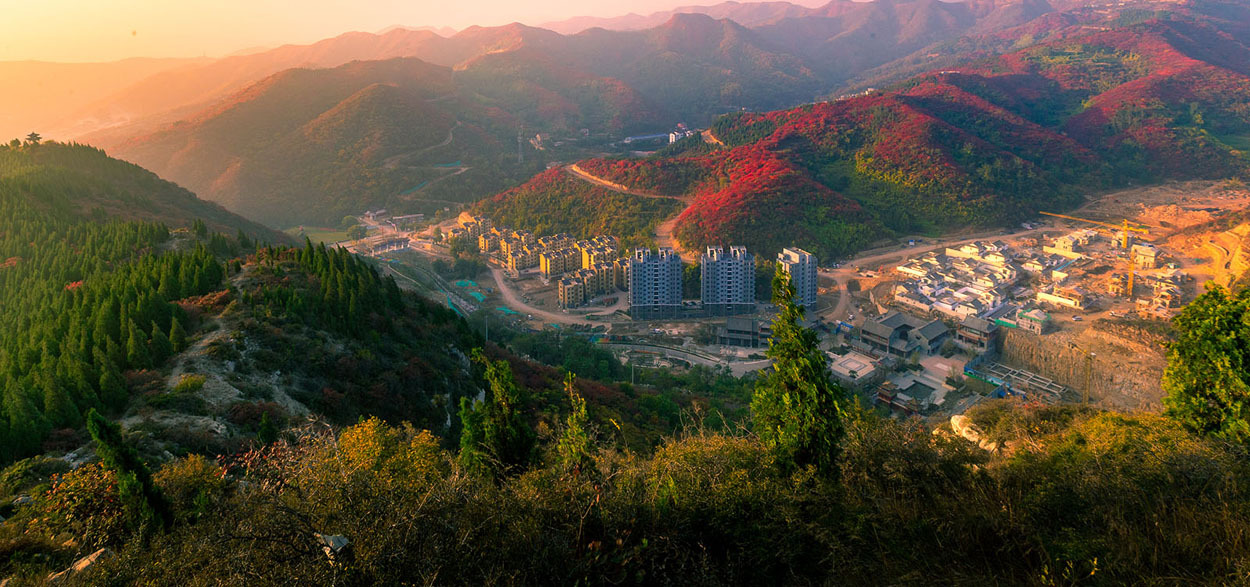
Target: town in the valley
{"points": [[1047, 312]]}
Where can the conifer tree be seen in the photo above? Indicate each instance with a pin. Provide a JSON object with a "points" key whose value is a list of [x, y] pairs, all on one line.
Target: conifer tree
{"points": [[496, 438], [169, 288], [112, 387], [574, 444], [199, 228], [267, 433], [27, 425], [146, 508], [177, 336], [137, 355], [161, 348], [58, 406], [796, 407]]}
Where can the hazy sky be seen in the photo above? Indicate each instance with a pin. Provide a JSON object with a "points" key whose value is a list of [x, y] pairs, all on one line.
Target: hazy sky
{"points": [[106, 30]]}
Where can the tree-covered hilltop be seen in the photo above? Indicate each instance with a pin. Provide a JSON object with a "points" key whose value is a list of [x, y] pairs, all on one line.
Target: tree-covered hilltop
{"points": [[84, 298], [72, 182], [554, 202]]}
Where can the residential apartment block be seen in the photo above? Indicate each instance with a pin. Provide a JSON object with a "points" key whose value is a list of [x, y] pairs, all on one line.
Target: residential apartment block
{"points": [[728, 281], [800, 265], [580, 286], [654, 284]]}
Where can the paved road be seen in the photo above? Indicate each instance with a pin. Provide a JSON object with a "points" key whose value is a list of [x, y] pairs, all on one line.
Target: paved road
{"points": [[513, 301], [738, 368]]}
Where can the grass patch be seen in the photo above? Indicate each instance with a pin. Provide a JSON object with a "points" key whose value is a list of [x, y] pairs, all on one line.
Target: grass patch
{"points": [[189, 383], [1238, 142], [317, 234]]}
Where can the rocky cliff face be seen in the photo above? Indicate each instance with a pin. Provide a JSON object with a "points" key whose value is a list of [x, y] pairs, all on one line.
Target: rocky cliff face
{"points": [[1125, 373]]}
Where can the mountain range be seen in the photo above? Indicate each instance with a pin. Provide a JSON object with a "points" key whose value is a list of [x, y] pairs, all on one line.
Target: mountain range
{"points": [[705, 53], [418, 122], [309, 146], [223, 128], [984, 145]]}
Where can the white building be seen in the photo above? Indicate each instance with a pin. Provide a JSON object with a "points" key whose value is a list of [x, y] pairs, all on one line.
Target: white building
{"points": [[728, 281], [654, 284], [800, 265]]}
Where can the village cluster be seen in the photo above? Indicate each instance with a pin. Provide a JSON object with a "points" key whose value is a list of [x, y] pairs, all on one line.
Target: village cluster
{"points": [[652, 279]]}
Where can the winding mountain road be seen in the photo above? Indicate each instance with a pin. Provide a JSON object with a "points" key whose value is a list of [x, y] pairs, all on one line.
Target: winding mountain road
{"points": [[393, 161], [664, 231]]}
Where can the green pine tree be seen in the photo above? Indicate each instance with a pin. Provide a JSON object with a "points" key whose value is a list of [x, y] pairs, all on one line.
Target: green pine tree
{"points": [[27, 425], [496, 438], [146, 508], [177, 336], [267, 433], [161, 347], [58, 406], [200, 229], [573, 447], [1207, 379], [796, 408], [112, 387], [137, 355]]}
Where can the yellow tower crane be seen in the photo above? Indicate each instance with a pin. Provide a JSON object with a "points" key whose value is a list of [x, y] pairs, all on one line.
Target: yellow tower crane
{"points": [[1125, 227]]}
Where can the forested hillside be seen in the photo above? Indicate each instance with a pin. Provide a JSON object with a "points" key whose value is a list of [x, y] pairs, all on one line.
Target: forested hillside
{"points": [[987, 145], [535, 491], [86, 298], [554, 203], [193, 336], [76, 182]]}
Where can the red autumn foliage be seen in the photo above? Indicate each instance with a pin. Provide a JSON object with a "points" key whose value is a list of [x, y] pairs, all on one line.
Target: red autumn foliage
{"points": [[1085, 110]]}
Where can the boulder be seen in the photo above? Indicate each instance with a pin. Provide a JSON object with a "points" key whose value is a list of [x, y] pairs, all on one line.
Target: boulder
{"points": [[335, 546], [81, 565], [963, 426]]}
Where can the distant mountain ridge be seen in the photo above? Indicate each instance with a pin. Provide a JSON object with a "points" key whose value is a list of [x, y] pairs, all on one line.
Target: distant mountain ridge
{"points": [[833, 42], [748, 14], [692, 68], [82, 183], [309, 146]]}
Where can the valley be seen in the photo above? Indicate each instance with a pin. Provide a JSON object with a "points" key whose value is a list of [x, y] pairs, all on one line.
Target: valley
{"points": [[879, 292]]}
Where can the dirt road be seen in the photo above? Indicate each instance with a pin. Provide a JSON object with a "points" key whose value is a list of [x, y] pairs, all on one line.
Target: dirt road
{"points": [[664, 231]]}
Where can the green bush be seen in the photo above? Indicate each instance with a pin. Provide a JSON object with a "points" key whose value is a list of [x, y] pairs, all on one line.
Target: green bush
{"points": [[189, 383]]}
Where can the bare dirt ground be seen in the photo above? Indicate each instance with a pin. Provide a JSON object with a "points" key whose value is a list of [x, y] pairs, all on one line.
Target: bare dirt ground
{"points": [[1171, 206]]}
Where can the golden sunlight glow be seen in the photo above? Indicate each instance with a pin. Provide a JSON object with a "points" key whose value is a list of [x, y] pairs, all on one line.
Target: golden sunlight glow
{"points": [[107, 30]]}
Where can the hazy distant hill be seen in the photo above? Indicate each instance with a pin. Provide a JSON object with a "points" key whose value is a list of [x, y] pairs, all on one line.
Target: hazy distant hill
{"points": [[748, 14], [775, 54], [38, 94], [310, 146]]}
